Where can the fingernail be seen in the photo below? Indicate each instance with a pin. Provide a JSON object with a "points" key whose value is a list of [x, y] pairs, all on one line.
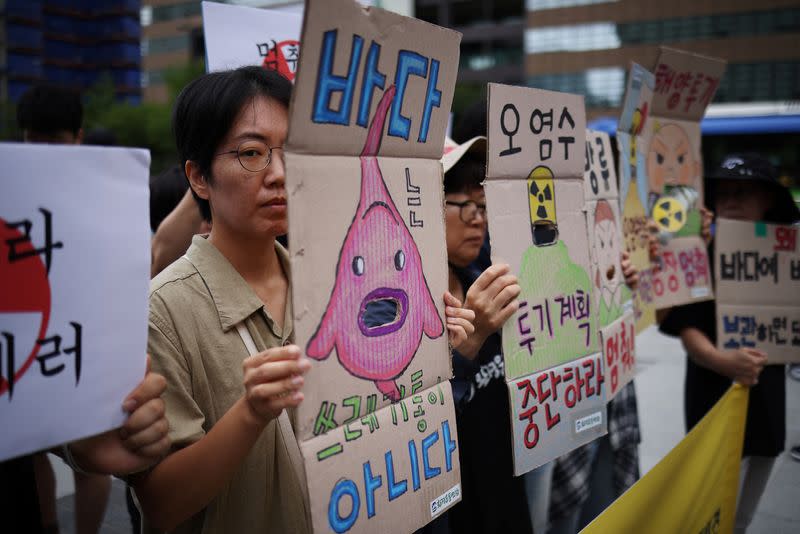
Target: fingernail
{"points": [[297, 380], [129, 405]]}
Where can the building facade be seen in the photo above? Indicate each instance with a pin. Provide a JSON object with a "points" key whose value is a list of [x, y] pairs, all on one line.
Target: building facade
{"points": [[72, 43], [585, 46]]}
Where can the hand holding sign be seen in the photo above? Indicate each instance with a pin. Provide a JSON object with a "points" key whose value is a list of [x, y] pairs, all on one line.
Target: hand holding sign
{"points": [[140, 442], [459, 321], [272, 381], [741, 365], [493, 298]]}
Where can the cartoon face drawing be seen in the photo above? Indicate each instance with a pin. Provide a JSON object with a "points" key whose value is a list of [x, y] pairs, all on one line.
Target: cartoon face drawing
{"points": [[606, 250], [542, 205], [671, 159], [380, 305]]}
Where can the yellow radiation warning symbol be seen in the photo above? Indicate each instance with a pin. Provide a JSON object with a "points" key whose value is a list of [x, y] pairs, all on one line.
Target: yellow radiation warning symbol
{"points": [[669, 214], [542, 204]]}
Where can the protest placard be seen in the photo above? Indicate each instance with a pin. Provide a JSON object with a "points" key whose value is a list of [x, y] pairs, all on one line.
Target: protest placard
{"points": [[618, 341], [757, 276], [537, 149], [633, 187], [685, 84], [236, 36], [557, 410], [611, 295], [534, 188], [367, 123], [74, 274]]}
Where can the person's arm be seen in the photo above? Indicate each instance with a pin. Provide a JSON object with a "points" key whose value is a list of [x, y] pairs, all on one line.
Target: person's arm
{"points": [[174, 235], [629, 271], [741, 365], [189, 478], [493, 298], [135, 446]]}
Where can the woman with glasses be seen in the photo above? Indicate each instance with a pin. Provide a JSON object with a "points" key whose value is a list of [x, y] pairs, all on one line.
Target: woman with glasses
{"points": [[493, 500], [220, 327]]}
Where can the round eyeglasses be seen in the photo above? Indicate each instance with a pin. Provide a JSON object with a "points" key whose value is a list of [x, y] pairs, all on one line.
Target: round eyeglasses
{"points": [[468, 210], [253, 156]]}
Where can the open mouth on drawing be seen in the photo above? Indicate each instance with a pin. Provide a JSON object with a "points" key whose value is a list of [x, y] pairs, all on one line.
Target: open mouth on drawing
{"points": [[383, 311], [545, 233]]}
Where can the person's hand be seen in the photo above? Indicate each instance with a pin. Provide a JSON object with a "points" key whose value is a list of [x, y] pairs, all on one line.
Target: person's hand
{"points": [[493, 298], [653, 246], [742, 365], [705, 228], [139, 443], [273, 380], [459, 321], [629, 271]]}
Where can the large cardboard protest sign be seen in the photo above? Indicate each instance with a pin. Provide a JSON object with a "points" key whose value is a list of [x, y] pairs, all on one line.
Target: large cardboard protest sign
{"points": [[236, 36], [757, 275], [633, 187], [693, 489], [685, 84], [557, 410], [73, 290], [611, 296], [367, 121], [535, 198]]}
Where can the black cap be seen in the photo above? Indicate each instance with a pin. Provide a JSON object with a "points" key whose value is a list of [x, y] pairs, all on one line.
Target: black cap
{"points": [[755, 168]]}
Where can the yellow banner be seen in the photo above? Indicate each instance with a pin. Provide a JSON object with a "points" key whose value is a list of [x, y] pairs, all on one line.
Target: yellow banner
{"points": [[693, 489]]}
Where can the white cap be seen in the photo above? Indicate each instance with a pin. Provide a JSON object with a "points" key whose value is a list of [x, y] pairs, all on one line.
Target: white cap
{"points": [[453, 152]]}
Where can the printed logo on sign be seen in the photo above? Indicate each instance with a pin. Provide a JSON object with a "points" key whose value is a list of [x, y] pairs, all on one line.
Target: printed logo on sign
{"points": [[446, 500], [590, 421], [698, 292]]}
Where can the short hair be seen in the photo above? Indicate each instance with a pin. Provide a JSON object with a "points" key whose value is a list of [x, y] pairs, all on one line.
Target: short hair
{"points": [[207, 107], [48, 109], [466, 175], [473, 122]]}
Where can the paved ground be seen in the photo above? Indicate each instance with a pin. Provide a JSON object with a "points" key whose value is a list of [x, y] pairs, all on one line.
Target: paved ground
{"points": [[659, 386]]}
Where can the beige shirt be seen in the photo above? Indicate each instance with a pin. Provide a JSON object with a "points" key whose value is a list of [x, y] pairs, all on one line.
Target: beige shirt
{"points": [[195, 305]]}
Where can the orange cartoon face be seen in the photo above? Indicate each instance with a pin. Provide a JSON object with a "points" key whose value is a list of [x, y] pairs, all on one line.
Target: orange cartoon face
{"points": [[671, 159]]}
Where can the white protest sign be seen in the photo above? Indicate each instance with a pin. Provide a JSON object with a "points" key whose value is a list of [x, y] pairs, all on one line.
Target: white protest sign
{"points": [[74, 273], [237, 36]]}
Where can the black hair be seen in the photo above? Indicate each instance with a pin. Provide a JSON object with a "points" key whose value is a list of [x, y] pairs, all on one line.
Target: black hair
{"points": [[166, 191], [101, 137], [466, 175], [207, 107], [48, 109], [472, 123]]}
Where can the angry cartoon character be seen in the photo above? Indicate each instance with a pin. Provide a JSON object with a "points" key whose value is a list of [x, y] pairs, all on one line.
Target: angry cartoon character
{"points": [[380, 305]]}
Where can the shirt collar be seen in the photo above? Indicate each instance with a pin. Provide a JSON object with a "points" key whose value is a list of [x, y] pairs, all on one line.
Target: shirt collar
{"points": [[233, 297]]}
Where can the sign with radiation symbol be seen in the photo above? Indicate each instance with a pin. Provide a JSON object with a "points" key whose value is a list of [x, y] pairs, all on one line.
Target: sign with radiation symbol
{"points": [[542, 204], [669, 214], [24, 306]]}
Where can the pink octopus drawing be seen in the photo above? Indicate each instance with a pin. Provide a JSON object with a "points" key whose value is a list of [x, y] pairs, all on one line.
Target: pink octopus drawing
{"points": [[379, 268]]}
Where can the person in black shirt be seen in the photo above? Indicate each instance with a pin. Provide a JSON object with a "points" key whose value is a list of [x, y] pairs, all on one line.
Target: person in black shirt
{"points": [[744, 187], [493, 500]]}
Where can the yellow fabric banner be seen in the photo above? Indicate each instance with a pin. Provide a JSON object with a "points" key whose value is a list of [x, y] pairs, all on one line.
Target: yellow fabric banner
{"points": [[693, 489]]}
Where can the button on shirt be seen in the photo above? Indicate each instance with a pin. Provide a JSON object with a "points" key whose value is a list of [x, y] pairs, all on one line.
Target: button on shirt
{"points": [[195, 305]]}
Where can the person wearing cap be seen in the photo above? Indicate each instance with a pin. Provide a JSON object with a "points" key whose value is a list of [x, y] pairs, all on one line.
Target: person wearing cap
{"points": [[743, 187], [493, 500]]}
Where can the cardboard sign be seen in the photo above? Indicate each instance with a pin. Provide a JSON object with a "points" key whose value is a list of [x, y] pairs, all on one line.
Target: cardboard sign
{"points": [[237, 36], [358, 53], [633, 187], [73, 290], [685, 84], [369, 267], [618, 341], [611, 296], [542, 198], [407, 471], [556, 411], [757, 275]]}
